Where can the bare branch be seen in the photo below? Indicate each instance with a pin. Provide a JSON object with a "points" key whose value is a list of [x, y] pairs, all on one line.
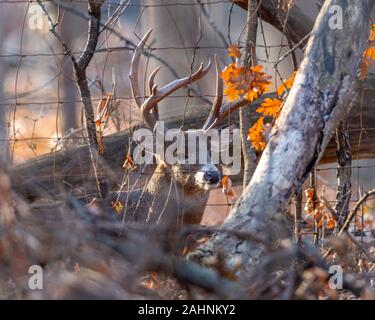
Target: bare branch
{"points": [[52, 29]]}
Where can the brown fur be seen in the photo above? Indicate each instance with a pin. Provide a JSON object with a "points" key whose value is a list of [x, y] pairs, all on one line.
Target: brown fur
{"points": [[171, 197]]}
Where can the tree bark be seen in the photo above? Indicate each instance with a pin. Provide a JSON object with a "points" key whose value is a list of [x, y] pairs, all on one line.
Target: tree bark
{"points": [[71, 28], [295, 24], [344, 173], [318, 101]]}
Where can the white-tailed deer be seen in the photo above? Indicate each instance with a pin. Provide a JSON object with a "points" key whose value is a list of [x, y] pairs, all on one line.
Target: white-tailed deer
{"points": [[175, 194]]}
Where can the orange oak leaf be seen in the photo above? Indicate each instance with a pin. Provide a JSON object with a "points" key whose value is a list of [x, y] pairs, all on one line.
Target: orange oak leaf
{"points": [[256, 135], [270, 107], [309, 192], [117, 205], [227, 189], [370, 53], [249, 83], [287, 84], [331, 223], [372, 33], [251, 95]]}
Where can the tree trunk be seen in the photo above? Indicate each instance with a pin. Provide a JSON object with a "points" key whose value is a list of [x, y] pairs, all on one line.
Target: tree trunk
{"points": [[294, 23], [344, 173], [71, 29], [249, 156], [318, 101]]}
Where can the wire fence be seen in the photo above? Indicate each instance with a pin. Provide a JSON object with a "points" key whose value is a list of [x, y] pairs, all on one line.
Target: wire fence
{"points": [[41, 101]]}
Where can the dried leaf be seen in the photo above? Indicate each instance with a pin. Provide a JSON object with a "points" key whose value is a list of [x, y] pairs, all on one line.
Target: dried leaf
{"points": [[117, 205], [251, 95], [372, 33], [102, 114], [364, 69], [369, 53], [234, 51], [227, 189], [331, 224], [102, 110], [101, 146], [250, 83], [256, 135], [232, 93], [317, 215], [309, 192], [270, 107], [287, 84], [128, 163]]}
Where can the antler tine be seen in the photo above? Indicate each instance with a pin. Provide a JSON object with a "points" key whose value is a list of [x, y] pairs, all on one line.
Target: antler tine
{"points": [[179, 83], [215, 118], [133, 75], [218, 111], [151, 85], [159, 94], [151, 79], [149, 106], [229, 107], [216, 105]]}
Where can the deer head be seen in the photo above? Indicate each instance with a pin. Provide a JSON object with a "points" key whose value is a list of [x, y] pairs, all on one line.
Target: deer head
{"points": [[192, 176]]}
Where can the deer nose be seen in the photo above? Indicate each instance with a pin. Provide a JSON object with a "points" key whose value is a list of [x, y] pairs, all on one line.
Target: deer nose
{"points": [[211, 176]]}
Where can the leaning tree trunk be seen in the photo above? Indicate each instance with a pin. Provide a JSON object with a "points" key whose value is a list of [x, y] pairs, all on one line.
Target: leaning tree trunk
{"points": [[319, 99]]}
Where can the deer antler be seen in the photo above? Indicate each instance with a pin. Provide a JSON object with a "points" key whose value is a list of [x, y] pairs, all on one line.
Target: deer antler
{"points": [[148, 106]]}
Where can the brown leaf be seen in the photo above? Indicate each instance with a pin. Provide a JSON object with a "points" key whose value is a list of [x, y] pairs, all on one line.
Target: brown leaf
{"points": [[117, 205], [129, 163], [234, 51], [227, 189]]}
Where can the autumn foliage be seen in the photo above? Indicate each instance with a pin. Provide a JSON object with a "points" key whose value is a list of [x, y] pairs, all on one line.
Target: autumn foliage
{"points": [[316, 213], [251, 83], [368, 55]]}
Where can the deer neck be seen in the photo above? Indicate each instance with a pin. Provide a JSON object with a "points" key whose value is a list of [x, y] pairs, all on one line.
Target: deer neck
{"points": [[160, 180]]}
